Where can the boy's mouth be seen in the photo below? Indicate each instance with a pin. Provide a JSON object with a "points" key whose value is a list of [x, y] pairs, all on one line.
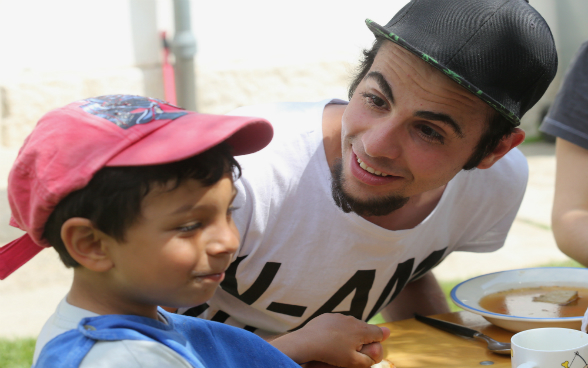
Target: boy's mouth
{"points": [[214, 277]]}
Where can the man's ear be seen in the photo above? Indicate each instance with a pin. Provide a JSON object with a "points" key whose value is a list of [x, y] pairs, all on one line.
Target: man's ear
{"points": [[505, 145], [86, 244]]}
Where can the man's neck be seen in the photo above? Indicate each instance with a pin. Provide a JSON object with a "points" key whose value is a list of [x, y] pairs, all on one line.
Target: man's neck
{"points": [[412, 213], [407, 217]]}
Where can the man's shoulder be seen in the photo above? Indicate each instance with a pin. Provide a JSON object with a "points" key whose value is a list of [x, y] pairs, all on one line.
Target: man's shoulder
{"points": [[297, 140], [498, 186], [513, 167], [271, 107], [286, 114], [511, 170]]}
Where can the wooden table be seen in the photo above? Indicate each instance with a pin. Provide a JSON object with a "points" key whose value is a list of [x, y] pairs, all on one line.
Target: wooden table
{"points": [[415, 344]]}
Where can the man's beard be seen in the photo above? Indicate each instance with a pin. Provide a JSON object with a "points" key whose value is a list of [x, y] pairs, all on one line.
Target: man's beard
{"points": [[375, 207]]}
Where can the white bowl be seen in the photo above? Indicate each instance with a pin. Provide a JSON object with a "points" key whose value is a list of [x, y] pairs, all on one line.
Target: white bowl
{"points": [[467, 294]]}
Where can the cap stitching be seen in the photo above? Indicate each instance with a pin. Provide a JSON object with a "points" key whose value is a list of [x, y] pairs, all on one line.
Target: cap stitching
{"points": [[478, 31], [534, 83], [40, 190], [511, 116], [411, 4]]}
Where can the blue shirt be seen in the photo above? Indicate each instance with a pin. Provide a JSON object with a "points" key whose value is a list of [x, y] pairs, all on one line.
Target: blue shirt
{"points": [[201, 343]]}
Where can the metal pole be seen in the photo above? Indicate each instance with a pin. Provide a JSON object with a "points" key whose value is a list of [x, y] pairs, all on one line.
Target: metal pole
{"points": [[184, 48]]}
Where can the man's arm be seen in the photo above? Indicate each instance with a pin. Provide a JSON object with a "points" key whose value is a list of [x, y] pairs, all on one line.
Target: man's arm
{"points": [[570, 206], [423, 296]]}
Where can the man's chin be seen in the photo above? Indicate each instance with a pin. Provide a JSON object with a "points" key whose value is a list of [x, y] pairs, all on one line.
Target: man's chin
{"points": [[374, 207], [363, 207]]}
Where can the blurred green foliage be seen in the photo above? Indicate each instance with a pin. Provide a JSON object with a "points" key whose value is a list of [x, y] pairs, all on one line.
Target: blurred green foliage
{"points": [[16, 353]]}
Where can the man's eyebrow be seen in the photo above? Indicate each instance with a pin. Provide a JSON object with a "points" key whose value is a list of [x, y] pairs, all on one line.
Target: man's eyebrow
{"points": [[444, 118], [429, 115], [383, 84]]}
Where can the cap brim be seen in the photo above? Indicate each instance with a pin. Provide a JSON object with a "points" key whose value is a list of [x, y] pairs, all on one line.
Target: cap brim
{"points": [[194, 133], [17, 253], [380, 31]]}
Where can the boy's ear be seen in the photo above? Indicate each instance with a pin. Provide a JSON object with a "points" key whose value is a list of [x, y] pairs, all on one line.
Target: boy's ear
{"points": [[86, 244], [504, 146]]}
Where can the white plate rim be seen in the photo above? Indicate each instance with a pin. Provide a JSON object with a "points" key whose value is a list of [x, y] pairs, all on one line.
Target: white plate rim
{"points": [[507, 317]]}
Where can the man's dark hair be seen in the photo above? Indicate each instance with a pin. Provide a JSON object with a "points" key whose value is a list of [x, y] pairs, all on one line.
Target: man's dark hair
{"points": [[497, 126], [112, 199]]}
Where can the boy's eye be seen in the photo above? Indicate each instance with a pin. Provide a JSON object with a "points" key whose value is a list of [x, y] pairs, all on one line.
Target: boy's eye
{"points": [[189, 227]]}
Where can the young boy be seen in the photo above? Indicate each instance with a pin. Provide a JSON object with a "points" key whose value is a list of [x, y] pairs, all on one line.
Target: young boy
{"points": [[135, 194]]}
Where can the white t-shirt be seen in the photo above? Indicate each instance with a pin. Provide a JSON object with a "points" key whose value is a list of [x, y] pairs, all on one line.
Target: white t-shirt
{"points": [[302, 256], [107, 354]]}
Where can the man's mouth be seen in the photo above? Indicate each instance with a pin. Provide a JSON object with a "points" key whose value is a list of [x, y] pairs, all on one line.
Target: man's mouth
{"points": [[371, 170], [368, 175]]}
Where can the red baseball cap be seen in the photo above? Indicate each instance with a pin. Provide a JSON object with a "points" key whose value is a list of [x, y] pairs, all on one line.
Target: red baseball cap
{"points": [[70, 144]]}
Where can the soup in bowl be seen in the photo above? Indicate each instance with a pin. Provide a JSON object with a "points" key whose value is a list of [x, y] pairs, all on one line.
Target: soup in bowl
{"points": [[522, 299]]}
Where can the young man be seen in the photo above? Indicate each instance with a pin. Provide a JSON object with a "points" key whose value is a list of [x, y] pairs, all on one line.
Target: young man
{"points": [[353, 203], [136, 195]]}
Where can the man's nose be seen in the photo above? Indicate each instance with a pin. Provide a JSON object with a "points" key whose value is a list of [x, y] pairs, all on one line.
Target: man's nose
{"points": [[385, 139]]}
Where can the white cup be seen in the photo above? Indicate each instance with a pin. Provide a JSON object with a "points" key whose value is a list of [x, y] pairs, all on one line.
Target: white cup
{"points": [[549, 347]]}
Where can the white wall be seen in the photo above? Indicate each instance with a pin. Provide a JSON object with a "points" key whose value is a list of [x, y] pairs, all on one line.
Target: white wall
{"points": [[267, 32], [57, 51], [73, 35]]}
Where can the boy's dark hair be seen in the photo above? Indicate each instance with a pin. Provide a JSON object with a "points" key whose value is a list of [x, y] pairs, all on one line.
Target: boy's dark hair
{"points": [[497, 127], [112, 199]]}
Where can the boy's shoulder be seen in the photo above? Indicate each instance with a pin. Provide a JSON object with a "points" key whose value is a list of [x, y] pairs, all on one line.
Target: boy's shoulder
{"points": [[113, 340], [68, 350], [182, 341]]}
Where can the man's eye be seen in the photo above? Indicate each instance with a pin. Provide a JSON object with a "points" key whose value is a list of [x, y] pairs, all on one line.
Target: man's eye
{"points": [[428, 130], [189, 227], [378, 101], [430, 133], [374, 100]]}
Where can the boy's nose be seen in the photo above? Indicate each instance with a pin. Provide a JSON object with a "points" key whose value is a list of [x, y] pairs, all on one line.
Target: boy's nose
{"points": [[226, 240]]}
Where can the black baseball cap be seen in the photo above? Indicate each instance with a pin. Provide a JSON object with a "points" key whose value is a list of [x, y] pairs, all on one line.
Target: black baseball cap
{"points": [[500, 50]]}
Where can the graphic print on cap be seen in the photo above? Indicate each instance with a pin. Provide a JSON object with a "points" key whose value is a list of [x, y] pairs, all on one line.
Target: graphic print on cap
{"points": [[127, 111]]}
